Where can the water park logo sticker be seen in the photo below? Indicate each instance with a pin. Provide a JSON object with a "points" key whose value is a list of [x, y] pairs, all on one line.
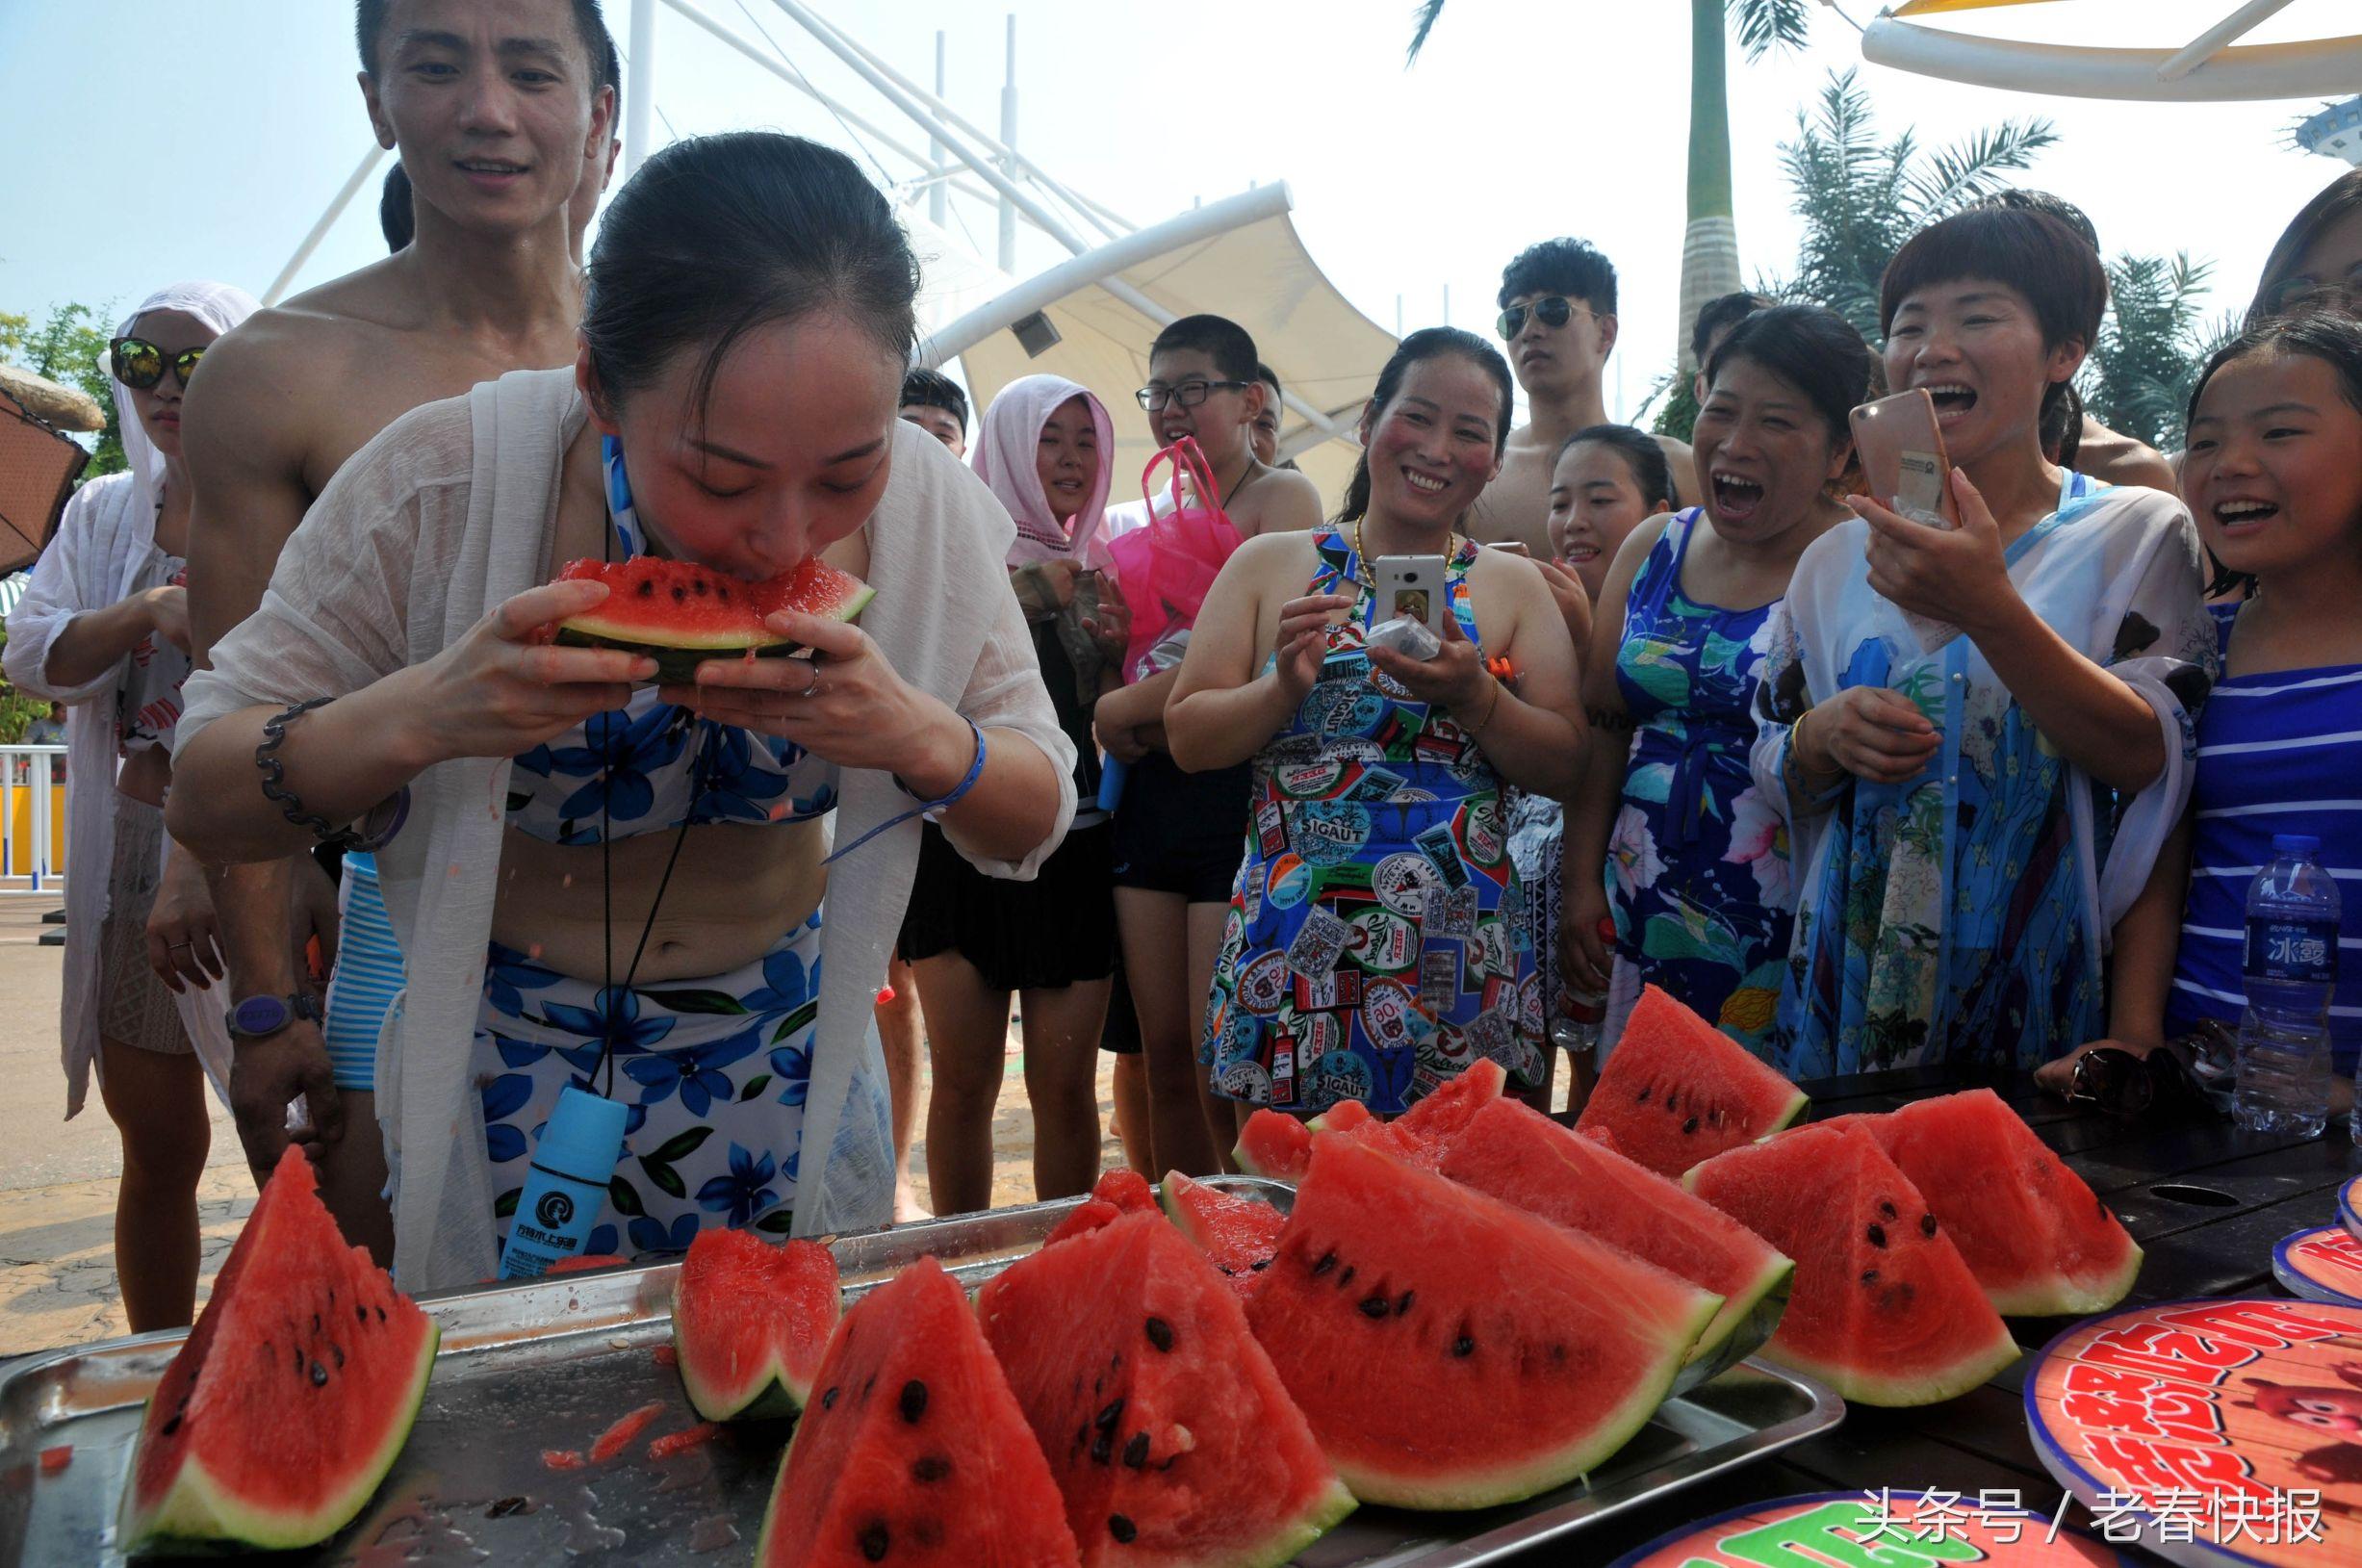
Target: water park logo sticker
{"points": [[2213, 1432], [1876, 1530], [2323, 1265]]}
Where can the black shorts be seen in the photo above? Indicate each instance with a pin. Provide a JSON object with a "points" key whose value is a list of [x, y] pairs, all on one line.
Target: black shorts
{"points": [[1182, 833], [1056, 929], [1119, 1036]]}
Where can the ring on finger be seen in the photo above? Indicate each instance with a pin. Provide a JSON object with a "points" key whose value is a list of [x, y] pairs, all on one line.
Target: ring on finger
{"points": [[812, 680], [178, 946]]}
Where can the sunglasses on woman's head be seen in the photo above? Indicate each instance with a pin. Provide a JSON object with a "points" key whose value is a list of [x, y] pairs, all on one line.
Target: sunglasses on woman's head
{"points": [[140, 364], [1554, 310]]}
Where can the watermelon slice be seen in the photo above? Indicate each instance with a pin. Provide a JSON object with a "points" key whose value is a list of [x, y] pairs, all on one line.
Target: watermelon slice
{"points": [[1882, 1308], [1165, 1425], [1238, 1235], [1518, 1155], [1435, 1119], [2036, 1236], [291, 1397], [1126, 1189], [751, 1320], [1343, 1116], [1451, 1351], [1087, 1216], [1273, 1144], [680, 614], [914, 1453], [1676, 1090]]}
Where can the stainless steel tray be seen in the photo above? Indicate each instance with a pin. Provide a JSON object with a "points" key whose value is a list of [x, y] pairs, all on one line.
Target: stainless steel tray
{"points": [[549, 1365]]}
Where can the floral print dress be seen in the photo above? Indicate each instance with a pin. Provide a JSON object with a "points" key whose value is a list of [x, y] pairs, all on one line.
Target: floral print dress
{"points": [[1376, 942], [1962, 914], [1697, 865]]}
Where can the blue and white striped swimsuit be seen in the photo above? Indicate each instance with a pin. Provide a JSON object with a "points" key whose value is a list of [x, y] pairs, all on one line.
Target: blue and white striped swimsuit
{"points": [[2277, 752], [369, 973]]}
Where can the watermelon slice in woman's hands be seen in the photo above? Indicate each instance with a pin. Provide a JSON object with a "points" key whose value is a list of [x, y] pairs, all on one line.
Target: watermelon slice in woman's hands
{"points": [[751, 1320], [682, 614]]}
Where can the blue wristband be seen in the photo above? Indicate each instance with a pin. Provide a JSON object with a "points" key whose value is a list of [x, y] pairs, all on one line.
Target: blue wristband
{"points": [[934, 809]]}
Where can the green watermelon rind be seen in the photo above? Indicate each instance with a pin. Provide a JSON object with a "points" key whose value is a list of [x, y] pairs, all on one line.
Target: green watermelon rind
{"points": [[775, 1395], [199, 1511], [1742, 1325], [1283, 1548], [679, 657], [1541, 1471], [1855, 1386], [2065, 1297]]}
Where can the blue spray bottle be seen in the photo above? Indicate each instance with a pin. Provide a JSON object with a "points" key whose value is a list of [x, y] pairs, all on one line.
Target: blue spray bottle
{"points": [[567, 1188]]}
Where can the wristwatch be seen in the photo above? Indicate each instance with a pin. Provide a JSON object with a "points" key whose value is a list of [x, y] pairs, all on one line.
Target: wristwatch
{"points": [[257, 1017]]}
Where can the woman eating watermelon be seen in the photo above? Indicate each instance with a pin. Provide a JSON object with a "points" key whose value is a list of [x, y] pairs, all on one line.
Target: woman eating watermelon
{"points": [[1370, 950], [616, 885]]}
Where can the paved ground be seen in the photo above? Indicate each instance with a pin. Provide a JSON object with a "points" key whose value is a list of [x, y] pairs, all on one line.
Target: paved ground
{"points": [[56, 1186]]}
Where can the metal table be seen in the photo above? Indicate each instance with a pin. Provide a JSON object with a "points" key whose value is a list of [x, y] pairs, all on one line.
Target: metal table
{"points": [[2206, 1202]]}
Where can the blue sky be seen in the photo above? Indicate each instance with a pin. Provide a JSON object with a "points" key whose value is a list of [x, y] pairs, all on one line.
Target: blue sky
{"points": [[155, 140]]}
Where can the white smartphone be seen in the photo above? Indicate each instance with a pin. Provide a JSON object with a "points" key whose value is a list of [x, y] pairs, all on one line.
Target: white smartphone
{"points": [[1411, 588]]}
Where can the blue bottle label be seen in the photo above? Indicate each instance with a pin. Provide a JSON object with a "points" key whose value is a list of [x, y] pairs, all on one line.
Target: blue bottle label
{"points": [[2297, 952]]}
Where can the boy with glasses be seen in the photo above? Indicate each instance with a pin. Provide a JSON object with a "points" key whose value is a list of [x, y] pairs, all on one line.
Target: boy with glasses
{"points": [[1558, 325]]}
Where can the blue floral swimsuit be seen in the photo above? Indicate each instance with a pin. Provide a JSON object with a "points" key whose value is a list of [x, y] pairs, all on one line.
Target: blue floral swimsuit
{"points": [[714, 1069]]}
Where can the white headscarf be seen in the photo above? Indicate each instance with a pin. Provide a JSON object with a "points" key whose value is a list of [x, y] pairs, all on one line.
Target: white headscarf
{"points": [[1007, 445], [219, 306]]}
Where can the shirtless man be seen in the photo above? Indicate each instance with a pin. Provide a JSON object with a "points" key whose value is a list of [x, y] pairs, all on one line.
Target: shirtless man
{"points": [[497, 110], [1558, 319]]}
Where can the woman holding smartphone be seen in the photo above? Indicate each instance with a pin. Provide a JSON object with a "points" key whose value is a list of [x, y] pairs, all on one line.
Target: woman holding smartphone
{"points": [[1372, 948], [1969, 817]]}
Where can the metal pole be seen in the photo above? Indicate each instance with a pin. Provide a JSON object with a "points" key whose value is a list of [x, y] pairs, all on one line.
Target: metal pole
{"points": [[1009, 160], [643, 83], [320, 230], [1446, 304], [938, 199], [2220, 36], [1398, 316]]}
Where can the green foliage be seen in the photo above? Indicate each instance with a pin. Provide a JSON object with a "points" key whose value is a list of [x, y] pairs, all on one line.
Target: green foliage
{"points": [[71, 348], [1680, 415], [17, 709], [2140, 375], [1860, 199]]}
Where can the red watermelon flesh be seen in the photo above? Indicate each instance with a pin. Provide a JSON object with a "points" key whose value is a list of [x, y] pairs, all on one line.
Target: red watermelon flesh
{"points": [[1515, 1153], [1274, 1144], [751, 1320], [681, 614], [291, 1397], [914, 1452], [1343, 1116], [1451, 1351], [1238, 1235], [1456, 1104], [1089, 1216], [1676, 1090], [1169, 1433], [1882, 1307], [2038, 1238], [587, 1261], [1127, 1189]]}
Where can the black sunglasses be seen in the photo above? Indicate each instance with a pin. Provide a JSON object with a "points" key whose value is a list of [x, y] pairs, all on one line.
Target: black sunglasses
{"points": [[2158, 1086], [140, 364], [1187, 393], [1554, 310]]}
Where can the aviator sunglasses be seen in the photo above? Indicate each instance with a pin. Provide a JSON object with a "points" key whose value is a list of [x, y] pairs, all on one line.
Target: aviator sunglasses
{"points": [[1554, 310], [140, 364]]}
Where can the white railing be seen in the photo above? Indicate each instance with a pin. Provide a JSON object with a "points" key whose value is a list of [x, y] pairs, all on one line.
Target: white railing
{"points": [[32, 855]]}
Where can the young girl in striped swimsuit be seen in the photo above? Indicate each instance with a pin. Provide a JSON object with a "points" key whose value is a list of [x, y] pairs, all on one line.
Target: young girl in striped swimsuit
{"points": [[2275, 477]]}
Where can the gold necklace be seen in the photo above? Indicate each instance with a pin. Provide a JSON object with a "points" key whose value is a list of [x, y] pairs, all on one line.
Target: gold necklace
{"points": [[1361, 557]]}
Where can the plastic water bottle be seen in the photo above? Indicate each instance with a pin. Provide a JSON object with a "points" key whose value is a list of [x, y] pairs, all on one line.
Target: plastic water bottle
{"points": [[567, 1187], [2291, 971]]}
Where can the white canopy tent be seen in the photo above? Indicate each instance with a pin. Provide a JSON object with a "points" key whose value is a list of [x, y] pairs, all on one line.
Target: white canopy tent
{"points": [[2212, 68]]}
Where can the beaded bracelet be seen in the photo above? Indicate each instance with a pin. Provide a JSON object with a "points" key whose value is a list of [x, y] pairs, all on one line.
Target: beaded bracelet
{"points": [[384, 820]]}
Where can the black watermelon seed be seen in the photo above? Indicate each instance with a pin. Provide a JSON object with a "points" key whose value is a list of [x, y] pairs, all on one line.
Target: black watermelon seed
{"points": [[648, 588], [1259, 1265], [1887, 1208], [1672, 1098], [828, 1400], [360, 1312], [1869, 1276], [320, 1375], [1327, 1261], [1346, 1278], [1136, 1451], [873, 1540], [171, 1425], [869, 1386], [299, 1360], [1691, 1126], [1558, 1353], [1103, 1447], [1160, 1335], [1877, 1235], [1108, 1417], [1123, 1528], [702, 590], [315, 1323], [1464, 1347], [1927, 1224], [934, 1467], [680, 596], [337, 1350], [1403, 1305], [913, 1400], [1714, 1117], [382, 1314], [1375, 1307], [1644, 1097]]}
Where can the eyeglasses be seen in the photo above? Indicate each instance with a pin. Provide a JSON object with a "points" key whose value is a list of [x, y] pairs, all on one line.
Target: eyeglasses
{"points": [[1554, 310], [140, 364], [2335, 293], [1187, 393]]}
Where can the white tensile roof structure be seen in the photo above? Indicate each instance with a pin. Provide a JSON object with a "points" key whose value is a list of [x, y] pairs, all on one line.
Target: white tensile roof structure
{"points": [[2213, 67]]}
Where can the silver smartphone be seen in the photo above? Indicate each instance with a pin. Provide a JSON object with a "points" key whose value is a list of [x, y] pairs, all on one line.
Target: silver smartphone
{"points": [[1411, 588]]}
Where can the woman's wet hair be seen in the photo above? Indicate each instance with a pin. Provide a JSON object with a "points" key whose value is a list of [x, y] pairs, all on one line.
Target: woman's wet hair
{"points": [[1425, 343], [1643, 458], [2043, 258], [1814, 350], [720, 235], [2339, 198]]}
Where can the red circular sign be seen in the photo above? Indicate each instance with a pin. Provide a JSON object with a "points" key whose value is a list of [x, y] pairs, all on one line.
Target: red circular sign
{"points": [[1876, 1527]]}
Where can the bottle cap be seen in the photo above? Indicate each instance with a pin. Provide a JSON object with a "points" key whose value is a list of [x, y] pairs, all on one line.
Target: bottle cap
{"points": [[2295, 844], [584, 1136]]}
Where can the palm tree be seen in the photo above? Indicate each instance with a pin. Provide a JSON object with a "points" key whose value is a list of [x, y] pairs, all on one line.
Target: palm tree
{"points": [[2150, 350], [1710, 246]]}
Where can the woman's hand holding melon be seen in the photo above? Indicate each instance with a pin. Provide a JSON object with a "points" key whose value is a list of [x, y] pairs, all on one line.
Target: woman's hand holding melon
{"points": [[847, 705], [504, 688]]}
